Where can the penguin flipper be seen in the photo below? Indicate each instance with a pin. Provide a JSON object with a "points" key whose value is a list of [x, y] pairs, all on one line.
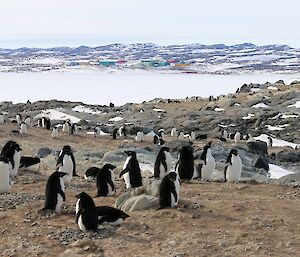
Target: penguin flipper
{"points": [[74, 166], [78, 215], [123, 172], [225, 173], [62, 193]]}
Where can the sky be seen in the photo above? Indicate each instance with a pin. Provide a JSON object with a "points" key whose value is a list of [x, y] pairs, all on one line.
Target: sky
{"points": [[47, 23]]}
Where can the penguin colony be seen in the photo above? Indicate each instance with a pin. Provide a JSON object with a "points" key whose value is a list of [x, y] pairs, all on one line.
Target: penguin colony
{"points": [[88, 215]]}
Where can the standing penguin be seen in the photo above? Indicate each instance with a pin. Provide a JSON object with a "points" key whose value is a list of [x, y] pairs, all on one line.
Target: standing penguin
{"points": [[2, 118], [181, 136], [115, 132], [4, 175], [163, 163], [169, 191], [28, 121], [139, 136], [237, 137], [54, 133], [185, 165], [12, 152], [233, 169], [74, 129], [66, 163], [131, 171], [208, 168], [86, 214], [224, 133], [105, 180], [91, 173], [23, 128], [174, 132], [55, 192], [19, 118], [270, 141], [122, 131], [67, 127]]}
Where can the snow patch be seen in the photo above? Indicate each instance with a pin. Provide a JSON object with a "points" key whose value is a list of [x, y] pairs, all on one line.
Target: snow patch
{"points": [[276, 142], [81, 108], [53, 114], [158, 110], [297, 105], [260, 105], [115, 119], [277, 172], [248, 117], [217, 109]]}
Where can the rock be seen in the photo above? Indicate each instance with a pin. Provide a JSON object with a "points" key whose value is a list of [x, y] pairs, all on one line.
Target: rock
{"points": [[140, 202], [261, 162], [287, 156], [258, 147], [43, 152]]}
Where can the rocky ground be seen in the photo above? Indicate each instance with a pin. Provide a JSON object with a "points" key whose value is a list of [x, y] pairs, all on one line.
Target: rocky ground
{"points": [[258, 217], [212, 219]]}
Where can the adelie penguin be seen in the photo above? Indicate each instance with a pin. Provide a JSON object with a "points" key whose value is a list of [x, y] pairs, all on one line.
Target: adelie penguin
{"points": [[185, 165], [122, 131], [66, 163], [12, 152], [163, 163], [67, 127], [131, 171], [115, 133], [23, 128], [29, 162], [110, 215], [4, 175], [55, 192], [86, 214], [207, 169], [19, 118], [106, 180], [233, 169], [91, 173], [169, 191]]}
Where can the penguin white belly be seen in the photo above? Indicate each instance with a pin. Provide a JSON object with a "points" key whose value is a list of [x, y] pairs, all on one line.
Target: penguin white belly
{"points": [[168, 162], [117, 222], [77, 205], [110, 191], [162, 171], [80, 224], [67, 165], [54, 133], [127, 180], [59, 204], [1, 119], [173, 202], [234, 171], [208, 169], [17, 158], [4, 178]]}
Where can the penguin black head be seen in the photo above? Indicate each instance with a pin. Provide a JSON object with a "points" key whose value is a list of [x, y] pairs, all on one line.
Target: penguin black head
{"points": [[172, 176], [67, 149], [233, 152], [86, 201], [208, 145], [60, 174], [130, 153], [108, 166]]}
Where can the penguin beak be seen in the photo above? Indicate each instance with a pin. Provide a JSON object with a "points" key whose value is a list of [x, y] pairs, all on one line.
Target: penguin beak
{"points": [[77, 196]]}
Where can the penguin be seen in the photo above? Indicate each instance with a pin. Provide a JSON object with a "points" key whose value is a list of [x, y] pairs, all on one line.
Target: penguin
{"points": [[54, 132], [208, 168], [169, 191], [270, 141], [4, 175], [155, 139], [237, 137], [74, 129], [27, 161], [19, 118], [14, 133], [12, 151], [161, 132], [161, 141], [122, 131], [185, 165], [163, 163], [86, 214], [192, 136], [67, 127], [28, 121], [55, 192], [91, 173], [110, 215], [139, 136], [181, 136], [66, 163], [233, 169], [46, 123], [23, 128], [2, 118], [115, 132], [97, 131], [131, 171], [39, 123], [174, 132], [106, 180], [224, 134]]}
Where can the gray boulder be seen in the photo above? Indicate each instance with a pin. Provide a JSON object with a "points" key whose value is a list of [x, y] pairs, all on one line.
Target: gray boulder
{"points": [[258, 147]]}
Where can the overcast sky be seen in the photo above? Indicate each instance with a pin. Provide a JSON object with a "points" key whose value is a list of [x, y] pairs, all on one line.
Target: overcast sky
{"points": [[159, 21]]}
